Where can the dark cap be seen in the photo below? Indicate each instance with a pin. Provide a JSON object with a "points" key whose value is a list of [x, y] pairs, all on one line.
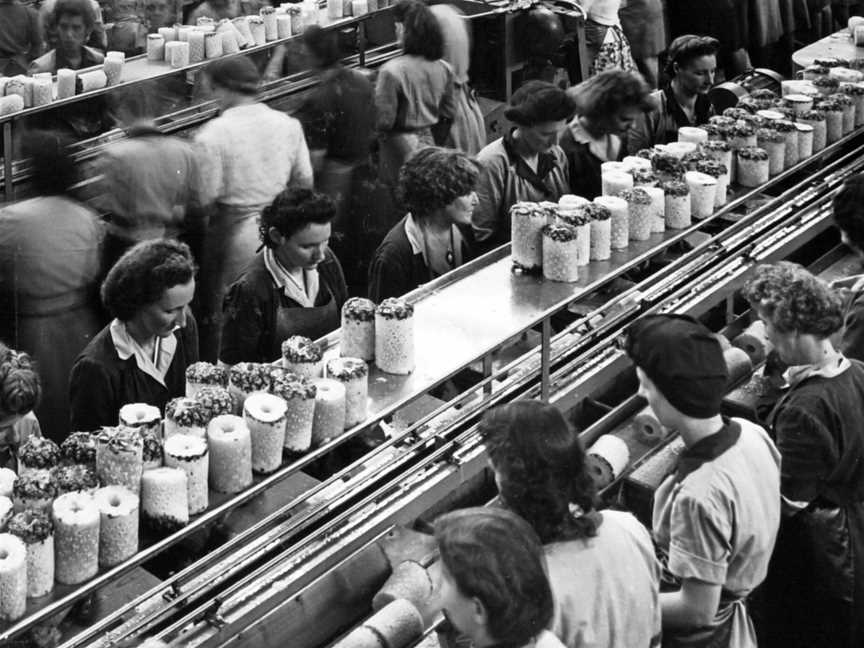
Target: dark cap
{"points": [[683, 358], [237, 73]]}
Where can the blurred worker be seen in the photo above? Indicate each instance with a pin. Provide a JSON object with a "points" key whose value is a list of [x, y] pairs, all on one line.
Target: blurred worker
{"points": [[96, 37], [414, 91], [247, 156], [338, 118], [468, 131], [644, 25], [20, 37], [608, 47], [50, 264], [149, 183]]}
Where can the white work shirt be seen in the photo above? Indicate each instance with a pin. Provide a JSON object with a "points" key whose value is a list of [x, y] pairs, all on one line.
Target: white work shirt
{"points": [[717, 516], [249, 154]]}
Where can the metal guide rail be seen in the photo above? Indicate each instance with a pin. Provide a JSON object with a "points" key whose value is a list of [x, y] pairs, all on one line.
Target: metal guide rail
{"points": [[447, 309], [249, 603], [582, 351]]}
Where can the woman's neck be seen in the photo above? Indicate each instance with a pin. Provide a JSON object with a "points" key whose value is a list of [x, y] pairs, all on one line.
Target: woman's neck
{"points": [[523, 150], [435, 223], [590, 127], [817, 352], [684, 98], [139, 333]]}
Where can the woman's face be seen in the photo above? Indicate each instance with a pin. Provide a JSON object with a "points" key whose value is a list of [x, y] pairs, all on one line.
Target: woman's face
{"points": [[168, 313], [786, 344], [8, 433], [697, 76], [459, 609], [620, 122], [459, 211], [541, 137], [304, 249]]}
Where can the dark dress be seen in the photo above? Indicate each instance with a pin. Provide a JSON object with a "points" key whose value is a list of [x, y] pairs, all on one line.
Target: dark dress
{"points": [[101, 382], [817, 572], [252, 329], [395, 269], [852, 343]]}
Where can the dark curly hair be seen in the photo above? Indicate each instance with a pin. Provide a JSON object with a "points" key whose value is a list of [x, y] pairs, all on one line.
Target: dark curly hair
{"points": [[540, 464], [538, 102], [434, 177], [604, 95], [74, 8], [495, 556], [422, 35], [849, 211], [292, 210], [20, 387], [794, 300], [143, 273]]}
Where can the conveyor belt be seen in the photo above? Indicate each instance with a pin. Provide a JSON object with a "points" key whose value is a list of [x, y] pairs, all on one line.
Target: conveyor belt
{"points": [[395, 481], [463, 318]]}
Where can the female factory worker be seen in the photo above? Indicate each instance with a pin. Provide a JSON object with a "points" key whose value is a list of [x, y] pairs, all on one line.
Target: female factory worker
{"points": [[294, 286], [492, 586], [607, 105], [684, 101], [715, 519], [20, 391], [142, 355], [437, 190], [414, 92], [818, 569], [849, 218], [526, 164], [602, 568]]}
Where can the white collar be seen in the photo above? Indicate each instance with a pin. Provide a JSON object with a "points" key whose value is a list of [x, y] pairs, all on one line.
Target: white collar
{"points": [[303, 295], [127, 347], [416, 239], [605, 148], [830, 368]]}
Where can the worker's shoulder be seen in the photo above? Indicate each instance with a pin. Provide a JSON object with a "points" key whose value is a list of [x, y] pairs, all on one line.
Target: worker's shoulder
{"points": [[493, 153]]}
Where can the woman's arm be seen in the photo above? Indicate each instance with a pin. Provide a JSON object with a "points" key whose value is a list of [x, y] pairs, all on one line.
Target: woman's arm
{"points": [[92, 400], [386, 99]]}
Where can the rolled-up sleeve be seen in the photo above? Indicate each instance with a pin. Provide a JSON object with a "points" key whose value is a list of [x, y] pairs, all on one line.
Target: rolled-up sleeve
{"points": [[700, 544], [386, 99]]}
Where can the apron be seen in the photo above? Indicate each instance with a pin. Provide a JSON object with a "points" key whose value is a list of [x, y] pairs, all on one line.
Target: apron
{"points": [[731, 627], [229, 246], [468, 132], [313, 322]]}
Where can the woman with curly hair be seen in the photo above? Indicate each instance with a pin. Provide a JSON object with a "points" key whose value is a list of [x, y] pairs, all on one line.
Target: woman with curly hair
{"points": [[294, 287], [142, 355], [817, 572], [607, 105], [604, 576], [414, 94], [20, 391], [436, 188]]}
